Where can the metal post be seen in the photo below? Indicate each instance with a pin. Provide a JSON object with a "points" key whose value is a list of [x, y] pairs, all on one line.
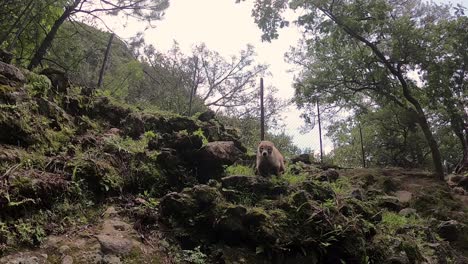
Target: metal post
{"points": [[320, 131], [362, 147], [262, 112]]}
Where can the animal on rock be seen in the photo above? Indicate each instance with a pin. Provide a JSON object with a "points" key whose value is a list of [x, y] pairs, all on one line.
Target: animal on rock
{"points": [[269, 159]]}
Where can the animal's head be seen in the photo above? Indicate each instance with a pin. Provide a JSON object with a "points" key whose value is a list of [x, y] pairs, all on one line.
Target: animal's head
{"points": [[265, 148]]}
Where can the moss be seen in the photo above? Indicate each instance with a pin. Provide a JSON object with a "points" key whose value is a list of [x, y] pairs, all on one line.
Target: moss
{"points": [[37, 84], [342, 186], [200, 133], [393, 221], [98, 175], [239, 170], [19, 125], [116, 143], [435, 201]]}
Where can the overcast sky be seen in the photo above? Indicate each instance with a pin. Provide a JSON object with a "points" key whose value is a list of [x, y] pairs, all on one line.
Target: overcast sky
{"points": [[227, 27]]}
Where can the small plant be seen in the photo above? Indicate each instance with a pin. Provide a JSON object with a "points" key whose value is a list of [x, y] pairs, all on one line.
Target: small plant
{"points": [[393, 221], [240, 170], [194, 256], [200, 133]]}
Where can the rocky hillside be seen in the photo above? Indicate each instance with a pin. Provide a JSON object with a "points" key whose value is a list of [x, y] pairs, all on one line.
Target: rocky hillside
{"points": [[85, 179]]}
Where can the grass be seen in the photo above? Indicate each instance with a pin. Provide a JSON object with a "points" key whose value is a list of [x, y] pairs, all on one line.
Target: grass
{"points": [[393, 221], [240, 170]]}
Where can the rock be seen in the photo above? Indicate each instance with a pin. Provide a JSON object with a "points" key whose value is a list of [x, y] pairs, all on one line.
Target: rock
{"points": [[67, 259], [304, 158], [204, 195], [301, 197], [133, 126], [24, 258], [64, 249], [357, 194], [177, 206], [110, 212], [231, 222], [211, 159], [114, 245], [177, 124], [390, 202], [407, 212], [219, 153], [58, 78], [459, 190], [93, 257], [404, 197], [389, 185], [320, 192], [182, 142], [10, 75], [6, 56], [111, 259], [114, 114], [397, 259], [329, 175], [253, 185], [449, 230], [206, 116], [463, 183]]}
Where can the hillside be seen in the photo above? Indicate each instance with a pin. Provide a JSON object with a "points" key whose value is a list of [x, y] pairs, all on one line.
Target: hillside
{"points": [[85, 179]]}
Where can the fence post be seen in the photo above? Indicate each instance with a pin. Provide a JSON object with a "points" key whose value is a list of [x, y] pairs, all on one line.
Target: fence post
{"points": [[320, 131], [362, 147], [262, 112]]}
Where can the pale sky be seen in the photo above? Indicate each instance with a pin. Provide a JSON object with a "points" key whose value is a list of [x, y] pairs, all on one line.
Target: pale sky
{"points": [[227, 28]]}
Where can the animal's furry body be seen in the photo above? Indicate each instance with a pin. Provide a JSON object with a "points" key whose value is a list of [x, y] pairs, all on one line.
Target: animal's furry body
{"points": [[269, 159]]}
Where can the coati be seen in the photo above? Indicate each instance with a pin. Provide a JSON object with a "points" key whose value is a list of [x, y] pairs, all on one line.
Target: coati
{"points": [[269, 159]]}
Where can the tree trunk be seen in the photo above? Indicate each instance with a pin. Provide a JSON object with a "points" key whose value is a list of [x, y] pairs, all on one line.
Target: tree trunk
{"points": [[104, 62], [462, 166], [436, 157], [47, 42]]}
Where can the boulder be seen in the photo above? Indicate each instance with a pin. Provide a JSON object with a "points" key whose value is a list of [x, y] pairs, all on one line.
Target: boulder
{"points": [[407, 212], [304, 158], [219, 153], [258, 186], [449, 230], [328, 175], [392, 203], [357, 193], [10, 75], [58, 78], [320, 192], [115, 245], [463, 183], [404, 197], [6, 56], [211, 159], [133, 126], [206, 116]]}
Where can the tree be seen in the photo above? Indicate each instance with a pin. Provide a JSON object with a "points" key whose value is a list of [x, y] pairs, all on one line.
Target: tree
{"points": [[146, 10], [226, 85], [390, 137], [362, 51]]}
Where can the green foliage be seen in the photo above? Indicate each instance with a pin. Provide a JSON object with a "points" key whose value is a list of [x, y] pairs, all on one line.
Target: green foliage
{"points": [[342, 186], [127, 144], [363, 61], [393, 221], [37, 85], [194, 256], [240, 170], [200, 133]]}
